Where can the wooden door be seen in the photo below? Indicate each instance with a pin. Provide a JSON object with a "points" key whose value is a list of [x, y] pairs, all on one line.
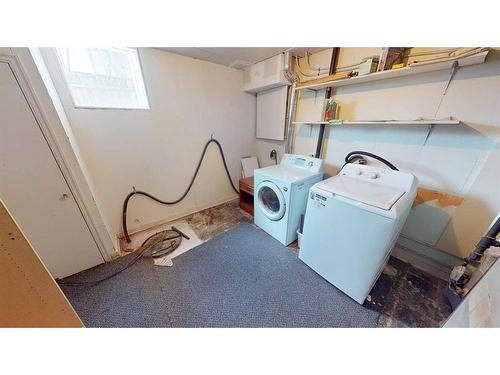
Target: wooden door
{"points": [[28, 294], [34, 190]]}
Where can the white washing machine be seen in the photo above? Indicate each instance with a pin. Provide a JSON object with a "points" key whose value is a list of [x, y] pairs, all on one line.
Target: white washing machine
{"points": [[352, 223], [280, 194]]}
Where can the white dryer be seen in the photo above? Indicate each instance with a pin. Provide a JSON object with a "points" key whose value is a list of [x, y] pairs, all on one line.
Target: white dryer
{"points": [[280, 194], [352, 222]]}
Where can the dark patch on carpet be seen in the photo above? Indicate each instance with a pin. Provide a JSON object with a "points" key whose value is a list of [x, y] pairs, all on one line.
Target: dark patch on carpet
{"points": [[242, 278]]}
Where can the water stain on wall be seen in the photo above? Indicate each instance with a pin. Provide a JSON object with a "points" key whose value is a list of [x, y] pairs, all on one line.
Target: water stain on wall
{"points": [[430, 214]]}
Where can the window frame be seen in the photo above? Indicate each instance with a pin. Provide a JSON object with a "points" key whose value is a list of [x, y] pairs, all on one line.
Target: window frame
{"points": [[75, 106]]}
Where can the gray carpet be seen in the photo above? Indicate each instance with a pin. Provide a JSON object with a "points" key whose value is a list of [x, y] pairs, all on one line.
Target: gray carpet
{"points": [[242, 278]]}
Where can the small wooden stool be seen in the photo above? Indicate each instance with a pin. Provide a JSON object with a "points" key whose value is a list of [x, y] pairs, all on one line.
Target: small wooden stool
{"points": [[246, 194]]}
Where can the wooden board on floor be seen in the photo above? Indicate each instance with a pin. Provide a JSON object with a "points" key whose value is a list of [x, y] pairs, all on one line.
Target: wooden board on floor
{"points": [[29, 296]]}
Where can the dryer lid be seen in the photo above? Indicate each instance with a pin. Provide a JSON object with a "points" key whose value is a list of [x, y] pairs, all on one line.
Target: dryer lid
{"points": [[377, 195]]}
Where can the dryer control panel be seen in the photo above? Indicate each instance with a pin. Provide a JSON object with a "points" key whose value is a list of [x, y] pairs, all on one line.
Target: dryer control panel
{"points": [[305, 162]]}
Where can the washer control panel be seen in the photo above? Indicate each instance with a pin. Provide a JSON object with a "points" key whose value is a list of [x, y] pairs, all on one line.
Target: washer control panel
{"points": [[364, 172], [305, 162], [377, 175]]}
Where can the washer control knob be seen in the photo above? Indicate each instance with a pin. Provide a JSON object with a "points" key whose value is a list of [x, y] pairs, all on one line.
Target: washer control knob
{"points": [[310, 164], [358, 172], [373, 175]]}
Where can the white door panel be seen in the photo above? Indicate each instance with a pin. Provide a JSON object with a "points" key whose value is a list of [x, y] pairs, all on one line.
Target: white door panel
{"points": [[33, 188]]}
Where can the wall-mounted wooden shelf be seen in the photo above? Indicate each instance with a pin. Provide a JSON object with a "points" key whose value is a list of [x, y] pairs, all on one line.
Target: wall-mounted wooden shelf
{"points": [[381, 122], [402, 72]]}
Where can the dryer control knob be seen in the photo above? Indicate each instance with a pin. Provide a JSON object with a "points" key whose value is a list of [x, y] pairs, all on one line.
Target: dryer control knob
{"points": [[373, 175], [358, 172], [310, 164]]}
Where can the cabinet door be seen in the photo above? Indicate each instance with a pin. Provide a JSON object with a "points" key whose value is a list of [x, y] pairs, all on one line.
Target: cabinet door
{"points": [[271, 110], [34, 190]]}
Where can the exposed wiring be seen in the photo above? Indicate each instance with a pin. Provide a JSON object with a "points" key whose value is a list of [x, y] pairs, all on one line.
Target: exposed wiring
{"points": [[456, 54], [433, 52], [307, 74], [138, 192], [318, 71], [322, 70], [339, 69], [308, 54]]}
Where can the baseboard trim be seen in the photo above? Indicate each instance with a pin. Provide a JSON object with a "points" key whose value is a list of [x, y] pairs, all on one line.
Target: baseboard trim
{"points": [[175, 217], [430, 252]]}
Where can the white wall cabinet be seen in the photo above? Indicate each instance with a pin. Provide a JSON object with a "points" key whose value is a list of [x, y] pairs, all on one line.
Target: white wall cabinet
{"points": [[34, 190], [271, 113], [266, 74]]}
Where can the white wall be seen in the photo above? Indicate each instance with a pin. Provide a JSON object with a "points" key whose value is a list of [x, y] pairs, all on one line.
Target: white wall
{"points": [[447, 159], [157, 150]]}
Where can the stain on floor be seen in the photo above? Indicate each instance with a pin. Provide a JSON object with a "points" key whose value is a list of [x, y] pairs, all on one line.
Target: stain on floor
{"points": [[408, 297], [206, 224], [216, 220]]}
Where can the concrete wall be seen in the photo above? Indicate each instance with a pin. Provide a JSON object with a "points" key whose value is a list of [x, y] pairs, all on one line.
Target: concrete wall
{"points": [[157, 150], [457, 160]]}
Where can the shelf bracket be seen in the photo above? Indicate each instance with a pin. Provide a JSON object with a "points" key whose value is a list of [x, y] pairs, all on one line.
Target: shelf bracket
{"points": [[429, 131]]}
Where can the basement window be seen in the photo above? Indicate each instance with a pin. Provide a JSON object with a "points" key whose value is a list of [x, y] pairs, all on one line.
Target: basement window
{"points": [[108, 78]]}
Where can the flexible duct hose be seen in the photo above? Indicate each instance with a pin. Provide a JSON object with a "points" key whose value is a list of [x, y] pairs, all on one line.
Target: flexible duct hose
{"points": [[350, 158], [130, 195]]}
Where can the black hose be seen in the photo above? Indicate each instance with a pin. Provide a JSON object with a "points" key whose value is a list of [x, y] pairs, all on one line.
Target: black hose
{"points": [[130, 195], [350, 158], [490, 239], [128, 265], [138, 255]]}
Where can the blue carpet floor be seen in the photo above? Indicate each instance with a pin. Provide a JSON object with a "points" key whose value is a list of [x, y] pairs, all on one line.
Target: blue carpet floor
{"points": [[242, 278]]}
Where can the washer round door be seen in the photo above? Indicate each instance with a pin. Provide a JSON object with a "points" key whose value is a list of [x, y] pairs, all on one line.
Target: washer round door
{"points": [[271, 200]]}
